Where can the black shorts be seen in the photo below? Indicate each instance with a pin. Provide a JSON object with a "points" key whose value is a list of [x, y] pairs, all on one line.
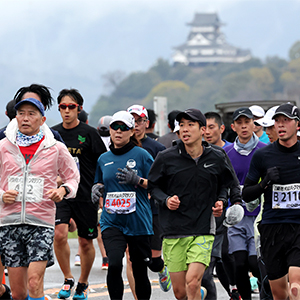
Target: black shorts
{"points": [[138, 246], [85, 215], [156, 240], [280, 245]]}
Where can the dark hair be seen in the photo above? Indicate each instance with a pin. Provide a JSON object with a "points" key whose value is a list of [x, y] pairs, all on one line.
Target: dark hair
{"points": [[214, 115], [73, 93], [38, 89], [10, 109], [135, 141], [83, 116], [151, 117], [171, 118]]}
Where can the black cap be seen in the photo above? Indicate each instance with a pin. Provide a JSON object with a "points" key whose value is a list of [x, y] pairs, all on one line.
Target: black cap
{"points": [[289, 110], [192, 114], [242, 111]]}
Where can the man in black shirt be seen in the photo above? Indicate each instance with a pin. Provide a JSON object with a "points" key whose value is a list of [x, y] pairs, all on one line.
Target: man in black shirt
{"points": [[277, 165], [85, 145]]}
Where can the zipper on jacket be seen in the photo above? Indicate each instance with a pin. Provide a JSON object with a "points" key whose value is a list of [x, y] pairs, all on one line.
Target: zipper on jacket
{"points": [[24, 198]]}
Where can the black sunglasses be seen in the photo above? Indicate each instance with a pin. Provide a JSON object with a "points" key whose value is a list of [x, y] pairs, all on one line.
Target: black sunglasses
{"points": [[69, 106], [116, 126]]}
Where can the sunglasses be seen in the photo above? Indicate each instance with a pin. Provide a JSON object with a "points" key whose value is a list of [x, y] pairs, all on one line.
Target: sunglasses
{"points": [[69, 106], [116, 126]]}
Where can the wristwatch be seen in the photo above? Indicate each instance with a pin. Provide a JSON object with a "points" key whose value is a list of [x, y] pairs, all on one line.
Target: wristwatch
{"points": [[67, 190], [141, 181]]}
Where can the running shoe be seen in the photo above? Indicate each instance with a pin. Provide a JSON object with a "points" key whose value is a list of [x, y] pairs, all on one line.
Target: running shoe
{"points": [[77, 261], [203, 293], [104, 263], [7, 294], [254, 285], [82, 291], [66, 290], [164, 280], [234, 295]]}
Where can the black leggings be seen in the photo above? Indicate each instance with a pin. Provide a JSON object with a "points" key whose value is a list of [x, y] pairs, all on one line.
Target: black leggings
{"points": [[225, 268], [243, 264], [115, 243]]}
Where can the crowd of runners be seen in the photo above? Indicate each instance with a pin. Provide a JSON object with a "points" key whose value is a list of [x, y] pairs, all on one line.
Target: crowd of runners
{"points": [[184, 205]]}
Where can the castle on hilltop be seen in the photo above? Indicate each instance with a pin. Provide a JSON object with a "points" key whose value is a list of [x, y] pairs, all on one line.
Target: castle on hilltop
{"points": [[206, 44]]}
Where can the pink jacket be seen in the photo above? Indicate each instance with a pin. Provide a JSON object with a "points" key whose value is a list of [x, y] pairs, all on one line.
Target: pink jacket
{"points": [[33, 180]]}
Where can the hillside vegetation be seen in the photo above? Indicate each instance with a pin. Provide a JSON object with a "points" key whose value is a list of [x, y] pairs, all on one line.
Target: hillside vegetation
{"points": [[202, 87]]}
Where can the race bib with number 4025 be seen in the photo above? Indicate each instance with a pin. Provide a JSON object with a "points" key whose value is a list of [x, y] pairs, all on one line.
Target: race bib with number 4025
{"points": [[120, 202], [34, 187], [286, 196]]}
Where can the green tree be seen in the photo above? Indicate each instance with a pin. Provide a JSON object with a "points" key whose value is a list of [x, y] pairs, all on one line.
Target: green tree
{"points": [[294, 52]]}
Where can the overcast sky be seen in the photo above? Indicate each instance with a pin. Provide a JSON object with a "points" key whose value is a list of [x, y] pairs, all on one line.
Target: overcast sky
{"points": [[65, 44]]}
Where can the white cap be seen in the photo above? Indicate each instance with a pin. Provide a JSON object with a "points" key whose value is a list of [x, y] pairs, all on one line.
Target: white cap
{"points": [[125, 117], [176, 126], [267, 120], [257, 111], [139, 110]]}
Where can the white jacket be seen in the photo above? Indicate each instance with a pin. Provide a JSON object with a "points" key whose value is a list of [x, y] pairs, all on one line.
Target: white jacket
{"points": [[33, 180]]}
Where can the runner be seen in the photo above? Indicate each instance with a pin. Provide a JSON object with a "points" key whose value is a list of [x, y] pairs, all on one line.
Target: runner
{"points": [[258, 113], [241, 236], [85, 145], [278, 167], [221, 259], [268, 123], [153, 147], [30, 160], [122, 173], [171, 136], [187, 180]]}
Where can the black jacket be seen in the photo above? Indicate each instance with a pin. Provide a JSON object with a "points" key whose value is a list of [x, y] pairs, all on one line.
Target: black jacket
{"points": [[198, 186]]}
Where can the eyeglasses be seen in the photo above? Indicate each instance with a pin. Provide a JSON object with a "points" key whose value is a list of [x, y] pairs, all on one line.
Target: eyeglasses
{"points": [[140, 121], [116, 126], [69, 106]]}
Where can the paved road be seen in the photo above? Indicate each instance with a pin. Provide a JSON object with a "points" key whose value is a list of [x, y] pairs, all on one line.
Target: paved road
{"points": [[98, 289]]}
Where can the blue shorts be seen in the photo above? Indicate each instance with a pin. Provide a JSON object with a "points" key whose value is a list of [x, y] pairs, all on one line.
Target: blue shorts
{"points": [[241, 236], [22, 244]]}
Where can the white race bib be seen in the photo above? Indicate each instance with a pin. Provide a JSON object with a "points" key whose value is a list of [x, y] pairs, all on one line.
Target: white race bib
{"points": [[286, 196], [120, 202], [34, 187]]}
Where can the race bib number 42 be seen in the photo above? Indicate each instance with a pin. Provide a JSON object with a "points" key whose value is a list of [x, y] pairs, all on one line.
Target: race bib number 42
{"points": [[120, 202], [34, 187], [286, 196]]}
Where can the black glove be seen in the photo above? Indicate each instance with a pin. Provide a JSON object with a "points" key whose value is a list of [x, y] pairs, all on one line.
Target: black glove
{"points": [[97, 192], [272, 176], [128, 176]]}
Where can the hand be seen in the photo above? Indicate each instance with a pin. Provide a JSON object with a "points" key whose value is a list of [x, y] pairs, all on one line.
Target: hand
{"points": [[10, 196], [56, 195], [128, 176], [218, 208], [252, 205], [173, 202], [272, 176], [97, 192]]}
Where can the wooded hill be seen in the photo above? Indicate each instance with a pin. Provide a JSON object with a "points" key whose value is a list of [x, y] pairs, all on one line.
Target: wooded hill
{"points": [[202, 87]]}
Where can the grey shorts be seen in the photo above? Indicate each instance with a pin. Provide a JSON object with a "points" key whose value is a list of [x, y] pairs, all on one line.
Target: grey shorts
{"points": [[22, 244], [241, 236]]}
